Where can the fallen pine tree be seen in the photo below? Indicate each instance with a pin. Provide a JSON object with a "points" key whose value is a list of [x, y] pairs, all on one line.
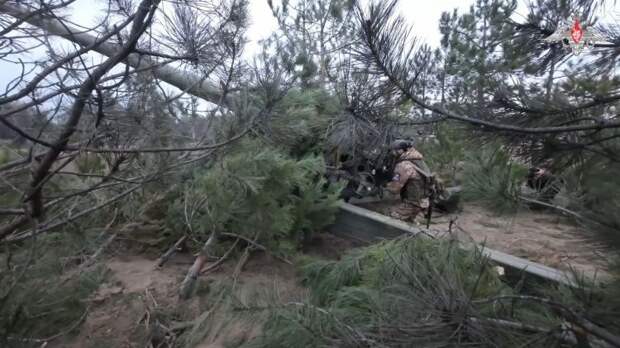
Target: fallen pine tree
{"points": [[258, 193], [413, 292]]}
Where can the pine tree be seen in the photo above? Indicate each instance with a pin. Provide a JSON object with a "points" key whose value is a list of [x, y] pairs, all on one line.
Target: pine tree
{"points": [[489, 85], [260, 193], [313, 34], [472, 46]]}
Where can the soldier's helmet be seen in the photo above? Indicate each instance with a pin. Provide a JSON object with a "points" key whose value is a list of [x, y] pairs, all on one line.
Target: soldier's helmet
{"points": [[401, 144]]}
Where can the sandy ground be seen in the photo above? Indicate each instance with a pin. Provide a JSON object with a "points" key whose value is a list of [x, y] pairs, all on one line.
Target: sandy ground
{"points": [[534, 235], [137, 296]]}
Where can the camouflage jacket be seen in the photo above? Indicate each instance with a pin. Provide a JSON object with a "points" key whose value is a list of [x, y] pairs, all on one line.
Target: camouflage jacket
{"points": [[411, 178]]}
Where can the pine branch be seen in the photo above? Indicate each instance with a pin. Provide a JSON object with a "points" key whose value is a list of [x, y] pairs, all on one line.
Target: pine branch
{"points": [[385, 38]]}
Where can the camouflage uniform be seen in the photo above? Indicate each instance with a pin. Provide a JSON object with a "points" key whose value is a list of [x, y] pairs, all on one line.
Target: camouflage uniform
{"points": [[414, 187], [544, 182]]}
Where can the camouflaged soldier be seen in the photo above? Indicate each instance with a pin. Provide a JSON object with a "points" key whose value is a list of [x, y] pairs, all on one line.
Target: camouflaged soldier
{"points": [[411, 179], [545, 183]]}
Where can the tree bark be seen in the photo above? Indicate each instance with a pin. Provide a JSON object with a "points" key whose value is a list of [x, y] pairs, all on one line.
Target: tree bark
{"points": [[187, 286], [166, 256]]}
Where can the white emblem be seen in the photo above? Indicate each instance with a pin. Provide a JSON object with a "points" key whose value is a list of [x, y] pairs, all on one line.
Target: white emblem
{"points": [[574, 37]]}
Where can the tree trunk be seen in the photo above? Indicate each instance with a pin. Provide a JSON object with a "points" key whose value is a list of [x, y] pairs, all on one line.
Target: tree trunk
{"points": [[443, 81], [189, 282], [549, 86], [184, 80]]}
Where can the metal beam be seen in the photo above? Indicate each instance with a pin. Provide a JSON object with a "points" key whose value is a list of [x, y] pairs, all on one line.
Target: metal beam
{"points": [[367, 226]]}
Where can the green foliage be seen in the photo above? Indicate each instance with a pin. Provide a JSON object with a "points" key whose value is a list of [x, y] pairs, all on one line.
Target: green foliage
{"points": [[311, 36], [380, 264], [470, 42], [446, 152], [601, 185], [593, 189], [407, 292], [300, 121], [5, 156], [492, 178], [257, 191], [420, 292], [41, 294], [9, 196], [90, 163]]}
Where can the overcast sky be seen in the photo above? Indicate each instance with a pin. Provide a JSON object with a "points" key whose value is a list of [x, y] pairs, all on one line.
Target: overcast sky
{"points": [[423, 15]]}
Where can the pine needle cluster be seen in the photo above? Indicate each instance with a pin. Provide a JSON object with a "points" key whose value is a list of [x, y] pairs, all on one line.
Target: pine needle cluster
{"points": [[417, 292], [259, 192]]}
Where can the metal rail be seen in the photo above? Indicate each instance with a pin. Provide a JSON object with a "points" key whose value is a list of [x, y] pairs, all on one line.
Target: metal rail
{"points": [[368, 226]]}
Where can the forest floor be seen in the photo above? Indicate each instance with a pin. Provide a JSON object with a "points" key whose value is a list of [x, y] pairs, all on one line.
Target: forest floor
{"points": [[538, 236], [138, 304]]}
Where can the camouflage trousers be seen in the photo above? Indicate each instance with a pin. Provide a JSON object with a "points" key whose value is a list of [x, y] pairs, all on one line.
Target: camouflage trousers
{"points": [[408, 210]]}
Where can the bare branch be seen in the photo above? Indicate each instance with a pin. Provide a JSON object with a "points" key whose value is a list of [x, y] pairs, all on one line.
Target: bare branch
{"points": [[195, 85]]}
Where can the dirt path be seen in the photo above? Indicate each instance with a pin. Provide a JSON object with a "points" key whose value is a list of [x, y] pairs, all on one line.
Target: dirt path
{"points": [[137, 296], [537, 236]]}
